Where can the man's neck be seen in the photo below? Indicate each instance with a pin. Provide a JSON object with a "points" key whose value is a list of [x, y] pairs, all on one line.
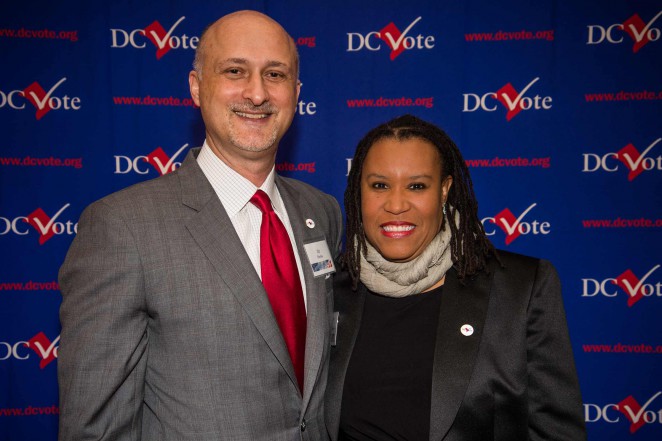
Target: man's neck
{"points": [[254, 167]]}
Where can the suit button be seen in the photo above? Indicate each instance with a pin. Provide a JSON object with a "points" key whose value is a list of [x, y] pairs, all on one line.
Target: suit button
{"points": [[303, 425]]}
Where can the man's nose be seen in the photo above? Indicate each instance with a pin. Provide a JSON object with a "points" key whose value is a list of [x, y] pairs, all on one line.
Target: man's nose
{"points": [[255, 90]]}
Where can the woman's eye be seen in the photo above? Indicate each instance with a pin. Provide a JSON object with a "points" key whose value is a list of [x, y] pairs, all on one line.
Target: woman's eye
{"points": [[379, 185], [417, 186]]}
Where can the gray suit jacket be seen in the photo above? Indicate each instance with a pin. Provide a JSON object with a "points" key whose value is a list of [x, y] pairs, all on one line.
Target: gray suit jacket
{"points": [[167, 333], [513, 379]]}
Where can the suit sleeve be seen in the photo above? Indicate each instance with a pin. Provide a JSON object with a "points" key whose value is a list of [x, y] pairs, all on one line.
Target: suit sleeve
{"points": [[102, 354], [555, 406]]}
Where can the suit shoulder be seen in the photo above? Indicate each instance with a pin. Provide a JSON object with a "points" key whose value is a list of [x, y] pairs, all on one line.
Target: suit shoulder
{"points": [[306, 190], [325, 207], [151, 187], [140, 197]]}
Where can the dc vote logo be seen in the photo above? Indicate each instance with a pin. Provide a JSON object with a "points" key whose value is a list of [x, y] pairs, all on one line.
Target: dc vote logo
{"points": [[514, 227], [636, 163], [43, 101], [39, 345], [513, 101], [157, 159], [639, 31], [629, 410], [390, 35], [634, 287], [155, 33], [46, 226]]}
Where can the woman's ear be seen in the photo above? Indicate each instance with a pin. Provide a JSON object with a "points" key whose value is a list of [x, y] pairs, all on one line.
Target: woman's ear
{"points": [[445, 188]]}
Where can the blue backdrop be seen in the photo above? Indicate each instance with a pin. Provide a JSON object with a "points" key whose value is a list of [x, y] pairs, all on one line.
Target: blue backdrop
{"points": [[555, 105]]}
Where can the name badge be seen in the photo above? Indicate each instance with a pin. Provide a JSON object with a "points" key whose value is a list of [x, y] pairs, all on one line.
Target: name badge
{"points": [[319, 258]]}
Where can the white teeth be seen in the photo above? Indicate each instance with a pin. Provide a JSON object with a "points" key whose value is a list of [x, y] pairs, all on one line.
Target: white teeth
{"points": [[252, 115], [397, 228]]}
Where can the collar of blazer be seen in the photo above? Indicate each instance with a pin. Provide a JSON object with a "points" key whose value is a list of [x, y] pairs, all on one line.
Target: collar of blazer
{"points": [[212, 230], [455, 354]]}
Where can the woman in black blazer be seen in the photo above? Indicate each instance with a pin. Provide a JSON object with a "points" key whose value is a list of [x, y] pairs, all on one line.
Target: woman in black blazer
{"points": [[439, 336]]}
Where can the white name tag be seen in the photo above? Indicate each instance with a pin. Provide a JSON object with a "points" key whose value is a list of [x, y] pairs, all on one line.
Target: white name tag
{"points": [[319, 258]]}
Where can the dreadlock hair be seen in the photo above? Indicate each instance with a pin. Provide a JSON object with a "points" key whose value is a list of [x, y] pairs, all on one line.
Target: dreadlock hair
{"points": [[470, 247]]}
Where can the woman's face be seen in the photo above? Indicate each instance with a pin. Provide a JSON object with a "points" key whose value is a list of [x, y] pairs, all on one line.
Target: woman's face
{"points": [[402, 193]]}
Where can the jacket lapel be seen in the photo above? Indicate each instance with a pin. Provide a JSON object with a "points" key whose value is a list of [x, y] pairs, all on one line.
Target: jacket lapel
{"points": [[455, 353], [213, 232], [298, 211], [349, 305]]}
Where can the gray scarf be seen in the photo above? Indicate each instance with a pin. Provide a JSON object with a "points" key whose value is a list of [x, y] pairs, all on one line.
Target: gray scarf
{"points": [[394, 279]]}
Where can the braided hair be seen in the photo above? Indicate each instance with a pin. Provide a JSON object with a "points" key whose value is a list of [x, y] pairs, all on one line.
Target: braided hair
{"points": [[470, 247]]}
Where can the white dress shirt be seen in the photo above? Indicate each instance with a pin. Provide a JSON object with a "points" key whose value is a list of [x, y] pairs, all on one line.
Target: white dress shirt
{"points": [[235, 193]]}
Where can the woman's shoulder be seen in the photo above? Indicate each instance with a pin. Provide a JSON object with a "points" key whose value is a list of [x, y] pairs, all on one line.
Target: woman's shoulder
{"points": [[521, 271], [508, 261]]}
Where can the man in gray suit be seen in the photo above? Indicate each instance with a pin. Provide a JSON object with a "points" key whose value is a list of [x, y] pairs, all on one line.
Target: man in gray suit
{"points": [[167, 332]]}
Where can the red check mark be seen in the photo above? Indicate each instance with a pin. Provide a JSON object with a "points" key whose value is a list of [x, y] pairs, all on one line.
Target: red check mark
{"points": [[394, 39], [634, 412], [39, 98], [632, 286], [508, 223], [157, 35], [509, 97], [638, 30], [44, 348], [160, 160], [40, 221], [630, 156]]}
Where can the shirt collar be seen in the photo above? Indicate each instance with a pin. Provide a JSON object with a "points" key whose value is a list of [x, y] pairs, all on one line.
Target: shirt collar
{"points": [[234, 190]]}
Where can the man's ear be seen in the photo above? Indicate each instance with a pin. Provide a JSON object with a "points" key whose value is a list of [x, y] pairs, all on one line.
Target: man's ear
{"points": [[194, 87]]}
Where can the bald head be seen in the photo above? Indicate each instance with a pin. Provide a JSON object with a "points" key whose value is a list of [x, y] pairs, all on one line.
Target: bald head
{"points": [[236, 22]]}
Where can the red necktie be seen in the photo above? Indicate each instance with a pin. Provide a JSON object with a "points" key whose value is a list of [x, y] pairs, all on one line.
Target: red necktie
{"points": [[280, 278]]}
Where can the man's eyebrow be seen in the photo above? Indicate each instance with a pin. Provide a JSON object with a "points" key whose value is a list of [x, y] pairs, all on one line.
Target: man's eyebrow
{"points": [[232, 61], [275, 63], [244, 61]]}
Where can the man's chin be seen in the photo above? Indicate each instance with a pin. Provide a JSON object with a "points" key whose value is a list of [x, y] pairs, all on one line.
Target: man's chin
{"points": [[251, 142], [254, 145]]}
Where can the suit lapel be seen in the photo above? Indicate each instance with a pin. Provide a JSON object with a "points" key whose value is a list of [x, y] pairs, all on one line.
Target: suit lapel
{"points": [[214, 233], [298, 210], [455, 353], [349, 305]]}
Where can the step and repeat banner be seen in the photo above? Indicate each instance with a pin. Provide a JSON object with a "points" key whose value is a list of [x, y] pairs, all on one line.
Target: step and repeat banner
{"points": [[556, 106]]}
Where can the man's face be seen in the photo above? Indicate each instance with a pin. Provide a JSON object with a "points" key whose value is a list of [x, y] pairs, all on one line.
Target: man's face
{"points": [[248, 87]]}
